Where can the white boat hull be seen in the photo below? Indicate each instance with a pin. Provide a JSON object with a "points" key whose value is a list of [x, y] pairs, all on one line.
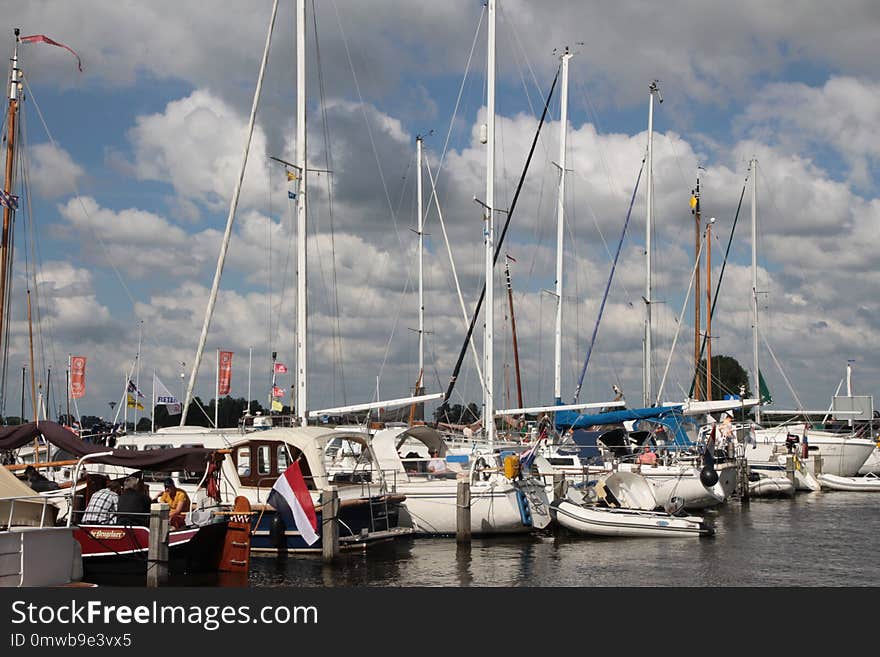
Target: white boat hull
{"points": [[868, 484], [772, 487], [842, 456], [601, 521], [872, 465]]}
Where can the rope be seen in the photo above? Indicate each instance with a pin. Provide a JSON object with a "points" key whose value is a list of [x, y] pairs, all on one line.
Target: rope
{"points": [[632, 201]]}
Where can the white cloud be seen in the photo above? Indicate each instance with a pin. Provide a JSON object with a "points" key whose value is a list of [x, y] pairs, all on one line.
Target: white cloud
{"points": [[53, 172]]}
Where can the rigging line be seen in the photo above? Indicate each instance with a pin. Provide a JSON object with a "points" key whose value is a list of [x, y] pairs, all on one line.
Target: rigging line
{"points": [[328, 159], [594, 115], [457, 102], [500, 242], [369, 129], [781, 371], [687, 297], [94, 233], [580, 384], [718, 285], [464, 313]]}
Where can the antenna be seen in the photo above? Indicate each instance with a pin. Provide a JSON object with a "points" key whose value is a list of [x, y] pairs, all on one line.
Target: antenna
{"points": [[655, 89]]}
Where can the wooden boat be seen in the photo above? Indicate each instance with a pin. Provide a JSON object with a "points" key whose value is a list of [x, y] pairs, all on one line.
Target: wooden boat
{"points": [[868, 483], [605, 521]]}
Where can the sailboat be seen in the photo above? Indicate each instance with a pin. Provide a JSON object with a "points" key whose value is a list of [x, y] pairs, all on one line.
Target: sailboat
{"points": [[368, 511]]}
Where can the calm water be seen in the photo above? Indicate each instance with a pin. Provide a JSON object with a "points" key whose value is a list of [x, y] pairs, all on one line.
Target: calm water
{"points": [[814, 539]]}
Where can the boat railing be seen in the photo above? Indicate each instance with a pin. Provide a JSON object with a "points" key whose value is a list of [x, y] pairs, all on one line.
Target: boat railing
{"points": [[45, 499]]}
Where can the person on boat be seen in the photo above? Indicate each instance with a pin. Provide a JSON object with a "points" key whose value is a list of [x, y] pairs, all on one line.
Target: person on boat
{"points": [[37, 481], [178, 501], [726, 427], [133, 500], [103, 506], [437, 464], [648, 456]]}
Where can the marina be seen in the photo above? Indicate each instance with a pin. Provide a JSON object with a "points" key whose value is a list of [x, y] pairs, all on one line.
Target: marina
{"points": [[422, 436]]}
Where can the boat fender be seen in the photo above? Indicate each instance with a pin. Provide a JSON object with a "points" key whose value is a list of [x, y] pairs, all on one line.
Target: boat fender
{"points": [[708, 476], [277, 534], [525, 512]]}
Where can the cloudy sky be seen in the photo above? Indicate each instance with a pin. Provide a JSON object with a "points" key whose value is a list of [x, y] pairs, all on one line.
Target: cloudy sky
{"points": [[128, 169]]}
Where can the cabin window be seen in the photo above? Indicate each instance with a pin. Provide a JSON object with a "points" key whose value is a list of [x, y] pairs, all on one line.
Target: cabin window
{"points": [[243, 459], [282, 458], [264, 466]]}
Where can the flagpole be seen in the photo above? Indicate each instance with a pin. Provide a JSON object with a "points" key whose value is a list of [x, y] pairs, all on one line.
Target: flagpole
{"points": [[68, 390], [250, 360], [125, 395], [137, 374], [217, 391], [153, 406]]}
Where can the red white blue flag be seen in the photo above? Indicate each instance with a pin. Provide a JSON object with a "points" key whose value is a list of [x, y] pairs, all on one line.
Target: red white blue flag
{"points": [[280, 368], [291, 498]]}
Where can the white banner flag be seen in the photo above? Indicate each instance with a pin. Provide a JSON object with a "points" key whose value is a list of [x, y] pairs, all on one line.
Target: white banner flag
{"points": [[164, 397]]}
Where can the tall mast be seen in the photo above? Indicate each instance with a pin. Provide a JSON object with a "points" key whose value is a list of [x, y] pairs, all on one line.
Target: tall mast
{"points": [[489, 212], [301, 253], [649, 215], [224, 247], [519, 395], [756, 372], [709, 309], [8, 182], [698, 229], [421, 264], [560, 228]]}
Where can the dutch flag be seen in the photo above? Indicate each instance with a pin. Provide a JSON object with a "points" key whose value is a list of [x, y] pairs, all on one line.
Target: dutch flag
{"points": [[290, 497]]}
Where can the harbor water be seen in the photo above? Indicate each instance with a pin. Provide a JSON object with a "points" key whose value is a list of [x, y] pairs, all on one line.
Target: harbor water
{"points": [[813, 540]]}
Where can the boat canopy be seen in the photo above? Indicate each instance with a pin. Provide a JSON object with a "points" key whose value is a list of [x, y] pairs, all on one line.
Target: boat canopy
{"points": [[574, 420], [193, 459]]}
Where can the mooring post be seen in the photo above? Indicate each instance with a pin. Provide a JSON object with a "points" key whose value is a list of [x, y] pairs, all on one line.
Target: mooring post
{"points": [[157, 553], [329, 526], [817, 464], [789, 467], [743, 480], [463, 511], [558, 485]]}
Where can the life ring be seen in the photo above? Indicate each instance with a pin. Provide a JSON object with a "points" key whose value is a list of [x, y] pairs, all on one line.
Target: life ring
{"points": [[481, 470]]}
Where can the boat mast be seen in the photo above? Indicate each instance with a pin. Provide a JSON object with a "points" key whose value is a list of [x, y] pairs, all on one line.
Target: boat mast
{"points": [[301, 252], [488, 215], [560, 228], [708, 309], [8, 216], [519, 396], [233, 204], [756, 373], [649, 213], [698, 229], [421, 254]]}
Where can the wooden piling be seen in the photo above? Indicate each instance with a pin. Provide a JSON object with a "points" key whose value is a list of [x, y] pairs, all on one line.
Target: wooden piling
{"points": [[157, 553], [789, 468], [329, 526], [743, 480], [558, 485], [463, 512]]}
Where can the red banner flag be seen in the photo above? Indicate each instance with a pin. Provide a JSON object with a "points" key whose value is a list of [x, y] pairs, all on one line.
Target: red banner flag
{"points": [[277, 392], [42, 38], [224, 373], [77, 376], [280, 368]]}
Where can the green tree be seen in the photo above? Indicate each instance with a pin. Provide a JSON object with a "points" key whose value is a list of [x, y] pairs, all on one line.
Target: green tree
{"points": [[728, 377]]}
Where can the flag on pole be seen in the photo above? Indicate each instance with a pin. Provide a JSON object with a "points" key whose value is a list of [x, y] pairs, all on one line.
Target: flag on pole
{"points": [[225, 373], [291, 499], [133, 402], [8, 200], [165, 398], [763, 390], [277, 392], [291, 195], [280, 368], [133, 388], [77, 377], [277, 405], [291, 175], [42, 38]]}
